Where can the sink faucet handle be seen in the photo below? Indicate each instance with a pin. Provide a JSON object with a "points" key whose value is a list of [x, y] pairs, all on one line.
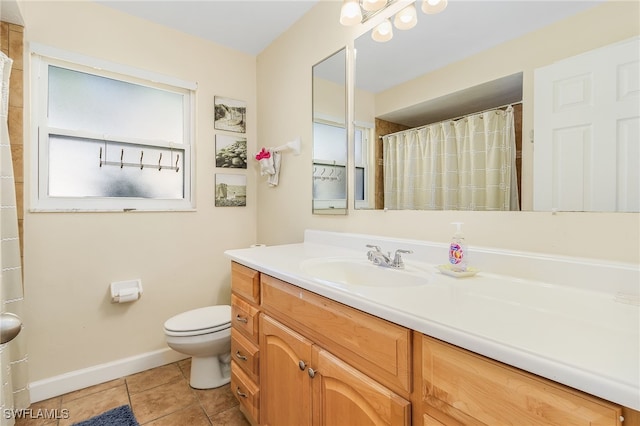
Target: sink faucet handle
{"points": [[397, 259], [371, 254]]}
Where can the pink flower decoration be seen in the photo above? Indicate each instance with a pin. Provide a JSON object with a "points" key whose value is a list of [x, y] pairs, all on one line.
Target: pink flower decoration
{"points": [[263, 154]]}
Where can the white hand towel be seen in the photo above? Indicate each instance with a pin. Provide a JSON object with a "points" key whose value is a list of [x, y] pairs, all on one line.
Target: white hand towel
{"points": [[267, 166], [272, 180]]}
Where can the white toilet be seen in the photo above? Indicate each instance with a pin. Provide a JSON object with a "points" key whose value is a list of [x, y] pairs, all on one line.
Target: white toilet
{"points": [[205, 334]]}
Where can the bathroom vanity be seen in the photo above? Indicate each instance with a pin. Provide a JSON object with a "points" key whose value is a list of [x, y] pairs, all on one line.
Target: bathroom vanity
{"points": [[314, 344]]}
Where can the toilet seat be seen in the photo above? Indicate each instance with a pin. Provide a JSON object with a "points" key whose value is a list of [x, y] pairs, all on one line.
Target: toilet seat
{"points": [[210, 319]]}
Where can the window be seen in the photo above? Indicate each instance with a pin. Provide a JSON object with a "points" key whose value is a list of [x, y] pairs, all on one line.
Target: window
{"points": [[109, 137]]}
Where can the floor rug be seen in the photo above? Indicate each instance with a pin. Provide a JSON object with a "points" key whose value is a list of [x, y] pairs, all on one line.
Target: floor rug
{"points": [[121, 416]]}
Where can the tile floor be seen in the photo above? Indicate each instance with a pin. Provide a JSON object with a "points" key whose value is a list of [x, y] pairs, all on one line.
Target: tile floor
{"points": [[158, 397]]}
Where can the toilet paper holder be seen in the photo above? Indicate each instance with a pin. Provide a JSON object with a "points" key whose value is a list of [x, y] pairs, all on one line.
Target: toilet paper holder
{"points": [[126, 291]]}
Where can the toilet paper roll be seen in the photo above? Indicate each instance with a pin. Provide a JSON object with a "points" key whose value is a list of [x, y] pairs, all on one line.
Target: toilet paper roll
{"points": [[128, 295]]}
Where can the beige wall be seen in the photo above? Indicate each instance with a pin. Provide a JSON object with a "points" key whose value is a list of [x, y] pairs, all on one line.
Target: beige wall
{"points": [[283, 74], [70, 258]]}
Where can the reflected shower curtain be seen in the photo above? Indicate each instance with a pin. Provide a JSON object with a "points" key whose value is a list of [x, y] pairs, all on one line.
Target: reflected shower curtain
{"points": [[466, 164], [14, 393]]}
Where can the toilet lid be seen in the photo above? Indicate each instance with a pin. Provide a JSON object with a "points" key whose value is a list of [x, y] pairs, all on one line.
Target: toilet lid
{"points": [[200, 319]]}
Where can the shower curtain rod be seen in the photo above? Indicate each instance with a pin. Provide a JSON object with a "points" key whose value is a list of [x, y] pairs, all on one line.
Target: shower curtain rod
{"points": [[454, 119]]}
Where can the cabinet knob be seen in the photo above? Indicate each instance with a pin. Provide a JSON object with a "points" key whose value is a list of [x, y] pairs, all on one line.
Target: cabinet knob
{"points": [[240, 356], [240, 393], [312, 372], [302, 365], [241, 319]]}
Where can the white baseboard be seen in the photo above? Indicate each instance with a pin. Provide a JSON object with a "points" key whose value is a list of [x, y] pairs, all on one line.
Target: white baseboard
{"points": [[80, 379]]}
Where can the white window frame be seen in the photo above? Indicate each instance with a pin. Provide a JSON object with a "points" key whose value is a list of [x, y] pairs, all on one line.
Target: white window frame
{"points": [[43, 56]]}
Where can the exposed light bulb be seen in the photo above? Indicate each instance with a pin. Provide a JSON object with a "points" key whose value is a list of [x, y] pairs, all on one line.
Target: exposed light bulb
{"points": [[433, 6], [407, 18], [373, 5], [350, 13], [383, 31]]}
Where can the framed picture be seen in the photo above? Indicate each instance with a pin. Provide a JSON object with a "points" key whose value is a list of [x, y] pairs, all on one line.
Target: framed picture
{"points": [[231, 151], [231, 190], [230, 114]]}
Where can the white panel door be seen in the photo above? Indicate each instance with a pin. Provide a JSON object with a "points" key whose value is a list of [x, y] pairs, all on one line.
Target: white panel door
{"points": [[587, 131]]}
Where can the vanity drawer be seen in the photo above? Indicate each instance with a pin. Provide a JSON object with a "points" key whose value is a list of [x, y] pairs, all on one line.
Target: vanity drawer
{"points": [[460, 387], [245, 354], [375, 346], [244, 317], [246, 391], [245, 282]]}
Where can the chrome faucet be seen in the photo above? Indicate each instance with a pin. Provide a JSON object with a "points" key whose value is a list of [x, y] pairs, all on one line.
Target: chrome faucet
{"points": [[379, 258], [397, 259]]}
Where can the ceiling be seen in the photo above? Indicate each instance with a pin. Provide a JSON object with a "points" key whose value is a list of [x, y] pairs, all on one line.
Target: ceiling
{"points": [[248, 26], [225, 22]]}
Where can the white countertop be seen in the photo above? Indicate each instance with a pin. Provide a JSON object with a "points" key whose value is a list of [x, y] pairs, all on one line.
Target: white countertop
{"points": [[582, 336]]}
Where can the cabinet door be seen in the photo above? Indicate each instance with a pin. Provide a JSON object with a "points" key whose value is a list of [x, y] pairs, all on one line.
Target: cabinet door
{"points": [[284, 381], [344, 396]]}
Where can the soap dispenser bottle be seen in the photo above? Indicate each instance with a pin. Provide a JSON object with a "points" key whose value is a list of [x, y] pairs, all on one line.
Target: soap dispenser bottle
{"points": [[458, 250]]}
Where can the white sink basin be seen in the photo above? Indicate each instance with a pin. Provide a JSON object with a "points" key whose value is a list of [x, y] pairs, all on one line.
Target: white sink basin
{"points": [[361, 272]]}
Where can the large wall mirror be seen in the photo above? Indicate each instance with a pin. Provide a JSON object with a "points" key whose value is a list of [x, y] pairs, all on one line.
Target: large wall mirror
{"points": [[472, 68], [330, 135]]}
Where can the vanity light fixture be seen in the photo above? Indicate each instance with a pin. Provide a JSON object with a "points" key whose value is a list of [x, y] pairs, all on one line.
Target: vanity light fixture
{"points": [[350, 13], [358, 11], [431, 7], [383, 31], [407, 18]]}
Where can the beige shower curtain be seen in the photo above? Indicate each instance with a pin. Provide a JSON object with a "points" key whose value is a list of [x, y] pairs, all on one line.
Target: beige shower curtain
{"points": [[466, 164], [14, 392]]}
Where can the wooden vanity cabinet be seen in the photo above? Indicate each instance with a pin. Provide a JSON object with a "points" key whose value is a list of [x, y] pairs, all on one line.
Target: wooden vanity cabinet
{"points": [[245, 352], [303, 382], [302, 359], [457, 387]]}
